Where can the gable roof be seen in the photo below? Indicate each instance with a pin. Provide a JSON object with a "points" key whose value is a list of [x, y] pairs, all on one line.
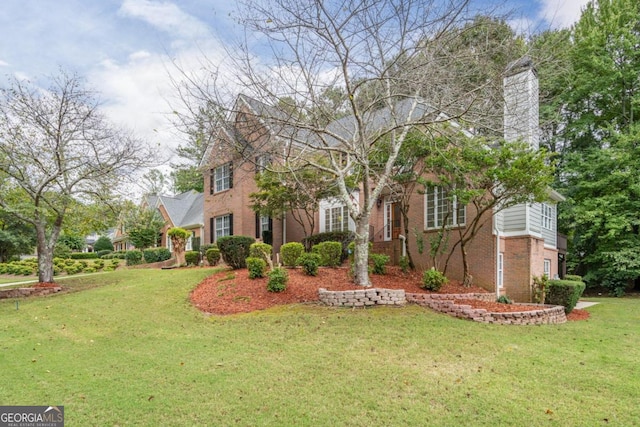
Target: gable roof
{"points": [[184, 209]]}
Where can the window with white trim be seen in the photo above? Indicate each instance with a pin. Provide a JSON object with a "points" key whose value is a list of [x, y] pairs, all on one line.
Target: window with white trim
{"points": [[221, 178], [442, 209], [223, 226], [547, 216], [547, 268], [336, 219]]}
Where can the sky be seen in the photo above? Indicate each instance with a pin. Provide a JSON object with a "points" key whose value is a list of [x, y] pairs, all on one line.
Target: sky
{"points": [[125, 49]]}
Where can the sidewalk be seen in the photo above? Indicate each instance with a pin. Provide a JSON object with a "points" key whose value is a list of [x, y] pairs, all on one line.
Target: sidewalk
{"points": [[585, 304]]}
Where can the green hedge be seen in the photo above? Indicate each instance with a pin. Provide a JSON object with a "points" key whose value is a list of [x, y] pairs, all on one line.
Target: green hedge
{"points": [[133, 257], [330, 253], [213, 255], [290, 252], [344, 237], [565, 293], [156, 254], [235, 250], [84, 255], [192, 257]]}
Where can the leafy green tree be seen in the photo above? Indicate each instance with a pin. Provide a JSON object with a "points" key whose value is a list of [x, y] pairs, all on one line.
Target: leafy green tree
{"points": [[73, 242], [57, 148], [154, 182], [142, 226], [601, 106], [16, 237], [295, 190], [488, 176], [103, 244]]}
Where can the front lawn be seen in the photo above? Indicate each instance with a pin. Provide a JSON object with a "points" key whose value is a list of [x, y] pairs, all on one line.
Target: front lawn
{"points": [[131, 350]]}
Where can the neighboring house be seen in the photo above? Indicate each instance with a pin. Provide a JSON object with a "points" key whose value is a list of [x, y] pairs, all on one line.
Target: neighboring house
{"points": [[516, 244], [183, 210]]}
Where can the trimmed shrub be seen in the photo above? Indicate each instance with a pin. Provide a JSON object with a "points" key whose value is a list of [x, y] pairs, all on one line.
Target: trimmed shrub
{"points": [[156, 254], [83, 255], [133, 257], [192, 257], [344, 237], [290, 253], [103, 244], [115, 263], [309, 262], [573, 278], [503, 299], [256, 266], [98, 264], [261, 250], [102, 253], [278, 278], [89, 270], [235, 250], [432, 280], [61, 250], [565, 293], [380, 262], [73, 268], [213, 255], [330, 253]]}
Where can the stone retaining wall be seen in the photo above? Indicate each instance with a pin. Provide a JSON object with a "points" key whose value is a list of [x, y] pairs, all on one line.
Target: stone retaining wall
{"points": [[443, 303], [26, 292], [362, 297]]}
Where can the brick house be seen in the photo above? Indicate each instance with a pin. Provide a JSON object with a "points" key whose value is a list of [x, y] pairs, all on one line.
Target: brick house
{"points": [[516, 244], [183, 210]]}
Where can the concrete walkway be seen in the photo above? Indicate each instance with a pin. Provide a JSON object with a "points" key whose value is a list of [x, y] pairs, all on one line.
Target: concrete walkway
{"points": [[29, 281], [585, 304]]}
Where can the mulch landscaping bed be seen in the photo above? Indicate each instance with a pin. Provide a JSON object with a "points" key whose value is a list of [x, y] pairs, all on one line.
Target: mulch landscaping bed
{"points": [[231, 291]]}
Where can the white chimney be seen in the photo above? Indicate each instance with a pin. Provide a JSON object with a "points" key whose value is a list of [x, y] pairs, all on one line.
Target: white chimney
{"points": [[521, 120]]}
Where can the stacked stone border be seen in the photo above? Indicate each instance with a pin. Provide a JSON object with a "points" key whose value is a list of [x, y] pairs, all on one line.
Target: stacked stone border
{"points": [[27, 292], [444, 303]]}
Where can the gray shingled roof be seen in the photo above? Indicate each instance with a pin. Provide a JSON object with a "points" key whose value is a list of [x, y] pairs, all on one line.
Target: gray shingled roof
{"points": [[185, 209]]}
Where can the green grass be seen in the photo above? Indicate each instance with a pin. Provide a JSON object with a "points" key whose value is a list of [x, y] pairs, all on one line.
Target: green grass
{"points": [[130, 350]]}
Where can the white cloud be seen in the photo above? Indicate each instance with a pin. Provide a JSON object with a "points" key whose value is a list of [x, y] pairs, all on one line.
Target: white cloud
{"points": [[3, 63], [166, 17], [563, 13]]}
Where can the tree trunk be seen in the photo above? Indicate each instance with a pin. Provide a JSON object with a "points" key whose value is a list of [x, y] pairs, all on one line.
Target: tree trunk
{"points": [[45, 256], [361, 253], [467, 277], [178, 249]]}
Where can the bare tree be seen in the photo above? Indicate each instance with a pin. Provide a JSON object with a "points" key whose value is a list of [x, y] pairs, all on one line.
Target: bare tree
{"points": [[56, 147], [388, 58]]}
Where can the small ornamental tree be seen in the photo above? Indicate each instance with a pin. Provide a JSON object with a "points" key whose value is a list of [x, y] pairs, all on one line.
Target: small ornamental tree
{"points": [[179, 238], [103, 244]]}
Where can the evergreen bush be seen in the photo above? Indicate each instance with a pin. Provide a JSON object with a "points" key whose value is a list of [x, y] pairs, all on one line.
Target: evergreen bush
{"points": [[565, 293], [235, 250], [432, 280], [133, 257], [330, 253], [380, 262], [213, 255], [192, 257], [344, 237], [309, 263], [290, 253], [278, 278], [261, 250], [256, 266]]}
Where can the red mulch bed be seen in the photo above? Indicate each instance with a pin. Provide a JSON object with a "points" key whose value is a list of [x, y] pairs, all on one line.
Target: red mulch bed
{"points": [[45, 285], [231, 291]]}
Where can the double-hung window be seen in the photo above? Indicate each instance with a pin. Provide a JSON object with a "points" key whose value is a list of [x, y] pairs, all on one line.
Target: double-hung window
{"points": [[547, 216], [223, 226], [443, 209], [336, 219], [221, 178]]}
